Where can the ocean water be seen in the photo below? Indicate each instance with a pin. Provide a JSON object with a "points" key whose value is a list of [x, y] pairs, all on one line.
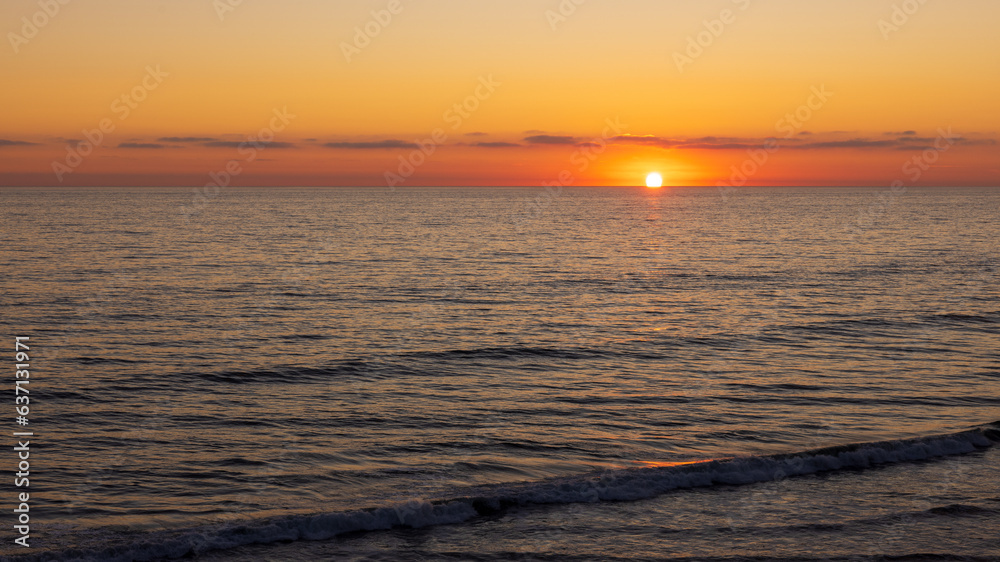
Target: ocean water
{"points": [[507, 374]]}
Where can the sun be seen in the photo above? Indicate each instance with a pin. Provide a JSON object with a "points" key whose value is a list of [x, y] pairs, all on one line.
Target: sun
{"points": [[654, 180]]}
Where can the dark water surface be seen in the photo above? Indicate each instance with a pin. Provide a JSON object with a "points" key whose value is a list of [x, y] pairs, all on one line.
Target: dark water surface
{"points": [[481, 377]]}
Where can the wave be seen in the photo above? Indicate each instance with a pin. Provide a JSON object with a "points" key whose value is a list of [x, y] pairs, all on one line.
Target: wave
{"points": [[514, 352], [396, 364], [611, 485]]}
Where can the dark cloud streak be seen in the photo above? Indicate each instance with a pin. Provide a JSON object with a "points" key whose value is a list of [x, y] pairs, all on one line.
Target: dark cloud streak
{"points": [[497, 145], [151, 145], [550, 139], [377, 145], [255, 144], [187, 139]]}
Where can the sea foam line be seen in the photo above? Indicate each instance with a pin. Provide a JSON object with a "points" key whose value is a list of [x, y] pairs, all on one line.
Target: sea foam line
{"points": [[610, 485]]}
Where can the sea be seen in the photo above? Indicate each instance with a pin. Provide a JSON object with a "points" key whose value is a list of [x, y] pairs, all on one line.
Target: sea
{"points": [[486, 374]]}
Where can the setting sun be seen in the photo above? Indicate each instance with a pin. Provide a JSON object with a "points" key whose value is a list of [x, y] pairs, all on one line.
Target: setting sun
{"points": [[654, 180]]}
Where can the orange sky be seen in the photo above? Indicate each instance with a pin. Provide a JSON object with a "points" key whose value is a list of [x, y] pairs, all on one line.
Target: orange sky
{"points": [[521, 92]]}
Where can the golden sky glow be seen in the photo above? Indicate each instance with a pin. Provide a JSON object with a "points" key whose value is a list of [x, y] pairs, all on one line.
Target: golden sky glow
{"points": [[519, 92]]}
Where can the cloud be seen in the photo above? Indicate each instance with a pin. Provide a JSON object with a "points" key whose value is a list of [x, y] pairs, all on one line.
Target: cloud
{"points": [[384, 144], [637, 139], [141, 145], [924, 143], [550, 139], [497, 144], [852, 143], [901, 143], [241, 144], [723, 146], [806, 140], [186, 139], [5, 142], [713, 140], [650, 140]]}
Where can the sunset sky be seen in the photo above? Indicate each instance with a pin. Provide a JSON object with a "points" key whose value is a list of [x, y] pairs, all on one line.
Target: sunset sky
{"points": [[519, 92]]}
